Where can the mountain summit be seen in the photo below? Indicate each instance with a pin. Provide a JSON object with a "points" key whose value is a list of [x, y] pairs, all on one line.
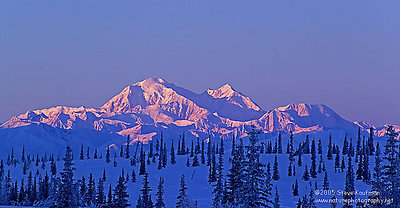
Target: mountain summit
{"points": [[147, 107]]}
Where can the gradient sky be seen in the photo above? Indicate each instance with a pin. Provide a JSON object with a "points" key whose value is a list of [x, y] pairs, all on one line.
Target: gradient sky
{"points": [[345, 54]]}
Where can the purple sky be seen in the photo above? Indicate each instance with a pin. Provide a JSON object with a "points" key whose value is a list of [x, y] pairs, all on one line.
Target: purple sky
{"points": [[345, 54]]}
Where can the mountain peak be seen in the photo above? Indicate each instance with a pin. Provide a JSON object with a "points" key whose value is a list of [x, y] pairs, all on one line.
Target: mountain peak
{"points": [[150, 81], [225, 90]]}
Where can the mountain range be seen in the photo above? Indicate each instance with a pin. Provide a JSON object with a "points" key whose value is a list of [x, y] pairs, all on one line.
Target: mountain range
{"points": [[147, 108]]}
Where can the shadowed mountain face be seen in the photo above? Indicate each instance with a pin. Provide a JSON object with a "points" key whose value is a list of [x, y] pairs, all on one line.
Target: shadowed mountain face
{"points": [[145, 108]]}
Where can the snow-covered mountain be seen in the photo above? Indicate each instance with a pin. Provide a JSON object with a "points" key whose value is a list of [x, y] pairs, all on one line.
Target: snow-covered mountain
{"points": [[144, 109]]}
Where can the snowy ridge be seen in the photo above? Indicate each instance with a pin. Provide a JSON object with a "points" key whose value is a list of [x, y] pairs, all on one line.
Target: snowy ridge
{"points": [[144, 109]]}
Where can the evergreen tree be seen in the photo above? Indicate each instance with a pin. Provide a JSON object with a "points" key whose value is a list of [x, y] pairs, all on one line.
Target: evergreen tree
{"points": [[345, 146], [337, 161], [183, 199], [188, 162], [325, 185], [160, 193], [276, 199], [164, 158], [299, 161], [235, 175], [145, 197], [275, 173], [391, 168], [329, 155], [173, 157], [151, 151], [313, 169], [127, 154], [218, 190], [121, 152], [110, 199], [192, 150], [319, 147], [349, 186], [212, 177], [295, 189], [306, 145], [108, 155], [209, 152], [290, 148], [342, 165], [254, 193], [279, 144], [377, 182], [203, 158], [22, 194], [104, 177], [370, 142], [82, 154], [83, 188], [360, 169], [142, 169], [66, 197], [120, 194], [358, 145], [306, 175], [183, 145], [133, 176], [100, 195], [195, 161], [90, 190]]}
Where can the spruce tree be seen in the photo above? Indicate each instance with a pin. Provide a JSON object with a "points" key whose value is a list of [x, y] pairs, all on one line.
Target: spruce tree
{"points": [[120, 194], [377, 182], [183, 145], [295, 190], [110, 199], [108, 160], [90, 190], [391, 168], [160, 194], [279, 144], [276, 199], [183, 199], [218, 190], [329, 155], [325, 185], [66, 197], [275, 172], [203, 158], [313, 169], [133, 176], [235, 175], [370, 142], [142, 169], [83, 188], [319, 147], [127, 154], [173, 157], [195, 161], [145, 197], [82, 154], [345, 146], [349, 186], [306, 175], [100, 196], [254, 193]]}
